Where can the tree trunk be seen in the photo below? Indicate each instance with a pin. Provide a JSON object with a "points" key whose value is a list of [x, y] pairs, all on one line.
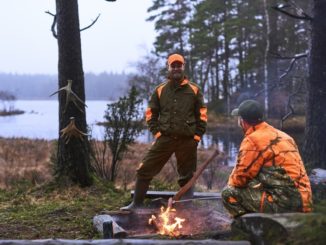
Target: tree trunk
{"points": [[73, 159], [267, 50], [226, 71], [271, 74], [315, 131]]}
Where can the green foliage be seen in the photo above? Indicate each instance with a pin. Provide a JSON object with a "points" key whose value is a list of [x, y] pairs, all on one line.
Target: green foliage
{"points": [[224, 42], [171, 23], [123, 125], [149, 75]]}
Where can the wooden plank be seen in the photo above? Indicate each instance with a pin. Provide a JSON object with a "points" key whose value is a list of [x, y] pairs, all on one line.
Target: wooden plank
{"points": [[121, 242], [168, 194]]}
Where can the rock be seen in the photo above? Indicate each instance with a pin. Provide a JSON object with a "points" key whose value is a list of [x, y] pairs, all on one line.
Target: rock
{"points": [[318, 184], [265, 228], [317, 176]]}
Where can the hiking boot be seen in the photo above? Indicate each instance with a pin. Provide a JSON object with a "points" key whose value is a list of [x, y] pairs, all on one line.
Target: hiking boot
{"points": [[141, 188]]}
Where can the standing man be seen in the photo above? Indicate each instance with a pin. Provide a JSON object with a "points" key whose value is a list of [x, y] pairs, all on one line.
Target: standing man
{"points": [[269, 176], [177, 117]]}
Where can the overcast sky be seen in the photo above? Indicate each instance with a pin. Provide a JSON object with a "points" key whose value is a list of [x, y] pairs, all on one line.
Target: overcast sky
{"points": [[119, 37]]}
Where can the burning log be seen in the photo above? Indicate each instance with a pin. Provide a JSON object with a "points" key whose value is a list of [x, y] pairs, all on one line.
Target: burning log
{"points": [[106, 225], [167, 223]]}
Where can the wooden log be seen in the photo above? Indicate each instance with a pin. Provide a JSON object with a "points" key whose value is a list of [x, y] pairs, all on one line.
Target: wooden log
{"points": [[269, 228], [108, 229], [121, 242], [106, 225], [168, 194]]}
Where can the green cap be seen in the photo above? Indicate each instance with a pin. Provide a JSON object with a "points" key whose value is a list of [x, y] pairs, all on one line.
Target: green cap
{"points": [[250, 110]]}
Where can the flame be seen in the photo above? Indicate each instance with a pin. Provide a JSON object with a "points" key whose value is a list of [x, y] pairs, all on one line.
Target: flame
{"points": [[167, 223]]}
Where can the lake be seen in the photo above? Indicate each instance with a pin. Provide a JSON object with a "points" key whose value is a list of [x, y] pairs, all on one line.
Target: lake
{"points": [[40, 121]]}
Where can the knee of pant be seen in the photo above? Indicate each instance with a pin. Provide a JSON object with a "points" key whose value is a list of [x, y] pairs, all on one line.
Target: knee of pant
{"points": [[227, 196], [226, 192]]}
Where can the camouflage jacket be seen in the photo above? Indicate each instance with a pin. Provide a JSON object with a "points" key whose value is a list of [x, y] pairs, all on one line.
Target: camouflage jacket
{"points": [[266, 146]]}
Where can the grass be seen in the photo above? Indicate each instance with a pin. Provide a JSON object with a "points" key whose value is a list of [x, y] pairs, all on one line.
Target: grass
{"points": [[312, 231], [33, 207], [51, 211]]}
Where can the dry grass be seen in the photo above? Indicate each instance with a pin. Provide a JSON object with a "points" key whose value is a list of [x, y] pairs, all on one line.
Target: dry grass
{"points": [[24, 159], [29, 160]]}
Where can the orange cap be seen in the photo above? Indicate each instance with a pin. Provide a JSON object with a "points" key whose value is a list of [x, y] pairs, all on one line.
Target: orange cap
{"points": [[175, 57]]}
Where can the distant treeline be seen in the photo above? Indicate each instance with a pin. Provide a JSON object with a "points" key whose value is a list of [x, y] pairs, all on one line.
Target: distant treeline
{"points": [[103, 86]]}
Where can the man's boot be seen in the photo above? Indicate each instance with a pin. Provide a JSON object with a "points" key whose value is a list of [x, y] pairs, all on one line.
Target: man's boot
{"points": [[141, 188]]}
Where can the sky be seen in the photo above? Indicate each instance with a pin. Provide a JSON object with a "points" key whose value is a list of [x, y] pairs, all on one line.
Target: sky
{"points": [[119, 38]]}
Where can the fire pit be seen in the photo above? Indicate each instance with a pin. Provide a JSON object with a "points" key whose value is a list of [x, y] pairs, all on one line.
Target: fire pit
{"points": [[200, 220]]}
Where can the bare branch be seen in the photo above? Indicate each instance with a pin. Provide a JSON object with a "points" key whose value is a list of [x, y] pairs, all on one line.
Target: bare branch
{"points": [[54, 33], [91, 23], [289, 106], [281, 57], [286, 72], [294, 59], [300, 14]]}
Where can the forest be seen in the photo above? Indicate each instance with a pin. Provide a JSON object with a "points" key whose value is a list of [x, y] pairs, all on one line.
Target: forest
{"points": [[273, 51], [234, 50]]}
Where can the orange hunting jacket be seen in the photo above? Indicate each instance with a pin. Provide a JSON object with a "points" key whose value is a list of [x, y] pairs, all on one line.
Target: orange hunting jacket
{"points": [[265, 146]]}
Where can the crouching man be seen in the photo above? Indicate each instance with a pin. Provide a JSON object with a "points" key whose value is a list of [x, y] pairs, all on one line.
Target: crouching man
{"points": [[269, 176]]}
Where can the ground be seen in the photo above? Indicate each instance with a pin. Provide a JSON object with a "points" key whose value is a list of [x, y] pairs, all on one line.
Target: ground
{"points": [[51, 211]]}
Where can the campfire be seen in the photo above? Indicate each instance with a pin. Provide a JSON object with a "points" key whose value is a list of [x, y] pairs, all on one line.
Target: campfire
{"points": [[167, 223], [200, 221]]}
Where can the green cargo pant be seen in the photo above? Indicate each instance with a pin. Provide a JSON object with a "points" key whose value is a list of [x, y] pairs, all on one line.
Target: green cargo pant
{"points": [[272, 191], [185, 150]]}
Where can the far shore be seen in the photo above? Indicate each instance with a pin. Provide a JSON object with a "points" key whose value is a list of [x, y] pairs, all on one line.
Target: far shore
{"points": [[11, 113]]}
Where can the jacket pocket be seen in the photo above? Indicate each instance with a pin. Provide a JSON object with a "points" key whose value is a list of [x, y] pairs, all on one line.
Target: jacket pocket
{"points": [[190, 127]]}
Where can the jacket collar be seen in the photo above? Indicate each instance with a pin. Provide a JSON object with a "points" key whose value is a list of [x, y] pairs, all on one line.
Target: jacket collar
{"points": [[184, 81], [259, 126]]}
